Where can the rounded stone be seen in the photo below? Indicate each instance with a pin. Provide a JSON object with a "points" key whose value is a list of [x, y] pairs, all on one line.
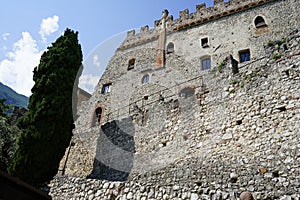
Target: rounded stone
{"points": [[194, 196], [246, 196]]}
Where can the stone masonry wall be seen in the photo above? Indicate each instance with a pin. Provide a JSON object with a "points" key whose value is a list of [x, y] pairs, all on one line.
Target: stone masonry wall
{"points": [[227, 36], [190, 133], [236, 133], [229, 28]]}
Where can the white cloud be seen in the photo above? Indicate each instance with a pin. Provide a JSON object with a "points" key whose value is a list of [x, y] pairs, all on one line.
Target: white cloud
{"points": [[17, 70], [96, 60], [4, 48], [88, 82], [5, 36], [48, 26]]}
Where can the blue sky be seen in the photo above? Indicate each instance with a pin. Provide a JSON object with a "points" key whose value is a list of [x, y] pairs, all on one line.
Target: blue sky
{"points": [[28, 27]]}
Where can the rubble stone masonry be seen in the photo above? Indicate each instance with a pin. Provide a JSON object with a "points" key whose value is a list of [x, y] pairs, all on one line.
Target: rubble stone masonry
{"points": [[194, 128]]}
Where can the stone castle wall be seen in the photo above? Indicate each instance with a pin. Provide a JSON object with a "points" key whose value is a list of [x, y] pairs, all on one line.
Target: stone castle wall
{"points": [[226, 36], [190, 133], [229, 24], [243, 134]]}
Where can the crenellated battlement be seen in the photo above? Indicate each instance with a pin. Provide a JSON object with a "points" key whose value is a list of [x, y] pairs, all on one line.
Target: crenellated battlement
{"points": [[219, 10], [186, 20]]}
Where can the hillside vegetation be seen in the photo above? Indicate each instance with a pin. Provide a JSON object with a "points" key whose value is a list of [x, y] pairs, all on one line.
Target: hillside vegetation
{"points": [[12, 97]]}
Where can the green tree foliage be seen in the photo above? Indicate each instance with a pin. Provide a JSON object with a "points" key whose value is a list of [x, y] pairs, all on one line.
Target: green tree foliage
{"points": [[47, 128], [7, 142], [7, 136], [4, 108]]}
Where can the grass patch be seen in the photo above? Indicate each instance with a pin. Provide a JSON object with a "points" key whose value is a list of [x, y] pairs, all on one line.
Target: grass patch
{"points": [[234, 81], [221, 66], [276, 42], [242, 85], [277, 56]]}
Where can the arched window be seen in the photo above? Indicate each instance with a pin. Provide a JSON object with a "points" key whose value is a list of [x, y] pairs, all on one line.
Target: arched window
{"points": [[187, 92], [259, 22], [131, 63], [97, 117], [205, 63], [170, 48], [145, 79]]}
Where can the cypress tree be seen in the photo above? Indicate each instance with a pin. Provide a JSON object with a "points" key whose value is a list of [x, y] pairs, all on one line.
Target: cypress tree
{"points": [[47, 128]]}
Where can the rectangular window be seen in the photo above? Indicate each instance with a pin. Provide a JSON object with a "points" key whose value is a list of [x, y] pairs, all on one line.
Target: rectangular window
{"points": [[204, 42], [106, 88], [244, 55], [206, 64]]}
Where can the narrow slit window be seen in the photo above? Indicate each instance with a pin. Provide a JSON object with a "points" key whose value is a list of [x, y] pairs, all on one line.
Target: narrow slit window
{"points": [[145, 79], [97, 117]]}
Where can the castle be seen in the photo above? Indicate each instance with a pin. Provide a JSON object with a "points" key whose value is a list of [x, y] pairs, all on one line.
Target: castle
{"points": [[205, 106]]}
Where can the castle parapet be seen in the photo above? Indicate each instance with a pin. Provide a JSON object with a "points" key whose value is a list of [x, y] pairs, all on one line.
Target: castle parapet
{"points": [[144, 29], [130, 33], [134, 39], [187, 20], [157, 23], [200, 7], [220, 9], [184, 14], [218, 2]]}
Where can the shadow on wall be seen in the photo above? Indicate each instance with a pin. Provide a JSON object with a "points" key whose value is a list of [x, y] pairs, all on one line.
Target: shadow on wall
{"points": [[115, 149]]}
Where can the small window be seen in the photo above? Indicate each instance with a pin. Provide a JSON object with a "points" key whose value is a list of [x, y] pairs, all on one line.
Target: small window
{"points": [[145, 79], [204, 42], [97, 117], [259, 22], [244, 55], [106, 88], [170, 48], [131, 63], [146, 97], [206, 63], [187, 92]]}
